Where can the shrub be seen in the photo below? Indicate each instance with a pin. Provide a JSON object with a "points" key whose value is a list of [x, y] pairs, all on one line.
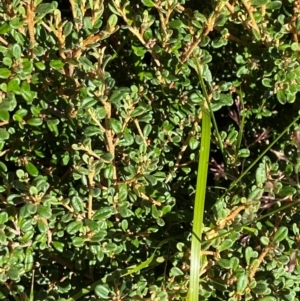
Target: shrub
{"points": [[100, 130]]}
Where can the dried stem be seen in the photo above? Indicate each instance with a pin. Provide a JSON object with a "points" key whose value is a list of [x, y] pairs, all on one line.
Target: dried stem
{"points": [[3, 41], [294, 19], [73, 8], [94, 118], [137, 124], [90, 197], [30, 20], [248, 6], [254, 268], [109, 134]]}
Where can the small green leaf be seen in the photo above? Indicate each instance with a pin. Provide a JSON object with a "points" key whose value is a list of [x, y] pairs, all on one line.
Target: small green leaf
{"points": [[226, 99], [116, 96], [3, 168], [193, 143], [281, 96], [175, 272], [99, 236], [100, 113], [19, 115], [108, 172], [176, 24], [287, 191], [78, 242], [89, 102], [267, 82], [29, 96], [111, 247], [112, 21], [221, 20], [90, 131], [196, 98], [77, 204], [225, 245], [95, 192], [16, 23], [4, 73], [68, 28], [256, 194], [44, 211], [42, 226], [234, 263], [249, 253], [124, 225], [259, 2], [2, 241], [139, 51], [242, 283], [59, 246], [40, 65], [261, 175], [256, 34], [115, 125], [45, 8], [74, 227], [17, 51], [33, 190], [35, 121], [274, 5], [113, 10], [102, 291], [52, 125], [265, 240], [103, 213], [139, 111], [28, 261], [3, 217], [281, 234], [244, 153], [219, 42], [260, 288], [148, 3], [268, 298], [15, 272], [4, 115], [124, 211], [147, 130], [5, 28], [57, 64], [31, 169], [224, 263], [155, 212], [4, 135], [151, 179], [93, 226], [86, 62]]}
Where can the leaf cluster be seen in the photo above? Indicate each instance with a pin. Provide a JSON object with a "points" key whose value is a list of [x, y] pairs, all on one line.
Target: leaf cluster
{"points": [[100, 111]]}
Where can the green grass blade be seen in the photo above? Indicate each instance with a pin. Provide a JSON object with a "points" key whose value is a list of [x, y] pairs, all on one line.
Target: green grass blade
{"points": [[193, 294]]}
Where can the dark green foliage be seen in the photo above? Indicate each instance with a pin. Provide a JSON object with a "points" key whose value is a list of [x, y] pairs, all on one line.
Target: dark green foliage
{"points": [[99, 142]]}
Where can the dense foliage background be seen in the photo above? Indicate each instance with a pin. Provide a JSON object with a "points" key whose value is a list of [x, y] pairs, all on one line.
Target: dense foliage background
{"points": [[99, 141]]}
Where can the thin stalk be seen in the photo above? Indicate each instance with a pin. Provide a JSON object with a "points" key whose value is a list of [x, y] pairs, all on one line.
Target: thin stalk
{"points": [[241, 130]]}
